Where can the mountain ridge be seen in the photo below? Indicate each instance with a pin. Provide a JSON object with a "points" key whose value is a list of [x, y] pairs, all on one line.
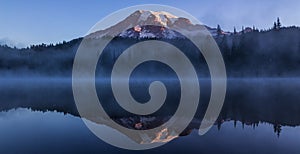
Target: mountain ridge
{"points": [[138, 20]]}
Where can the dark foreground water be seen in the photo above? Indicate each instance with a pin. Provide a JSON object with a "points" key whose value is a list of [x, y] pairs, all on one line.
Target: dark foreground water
{"points": [[26, 131], [258, 116]]}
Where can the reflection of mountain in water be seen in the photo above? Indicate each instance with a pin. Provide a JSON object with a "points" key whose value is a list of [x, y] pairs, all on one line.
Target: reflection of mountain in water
{"points": [[23, 129], [250, 101]]}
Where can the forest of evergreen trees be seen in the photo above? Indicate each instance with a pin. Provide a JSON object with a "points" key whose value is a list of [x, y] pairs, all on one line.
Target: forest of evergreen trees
{"points": [[265, 53]]}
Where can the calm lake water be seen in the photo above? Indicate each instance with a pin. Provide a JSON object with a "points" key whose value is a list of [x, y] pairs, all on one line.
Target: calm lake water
{"points": [[27, 131], [259, 116]]}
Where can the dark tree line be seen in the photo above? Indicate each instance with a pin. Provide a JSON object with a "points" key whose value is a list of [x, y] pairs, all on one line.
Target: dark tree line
{"points": [[264, 53]]}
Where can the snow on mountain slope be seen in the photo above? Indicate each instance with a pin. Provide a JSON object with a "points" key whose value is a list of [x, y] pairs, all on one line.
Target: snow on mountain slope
{"points": [[150, 24], [150, 31], [161, 17]]}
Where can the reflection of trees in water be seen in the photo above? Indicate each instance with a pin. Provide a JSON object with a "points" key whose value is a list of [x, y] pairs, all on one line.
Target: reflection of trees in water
{"points": [[277, 129], [249, 101]]}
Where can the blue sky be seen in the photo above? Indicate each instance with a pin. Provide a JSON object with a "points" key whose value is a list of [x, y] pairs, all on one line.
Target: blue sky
{"points": [[35, 21]]}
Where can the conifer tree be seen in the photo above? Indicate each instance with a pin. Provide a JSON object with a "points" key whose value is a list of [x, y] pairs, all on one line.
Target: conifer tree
{"points": [[275, 26], [219, 30], [278, 23]]}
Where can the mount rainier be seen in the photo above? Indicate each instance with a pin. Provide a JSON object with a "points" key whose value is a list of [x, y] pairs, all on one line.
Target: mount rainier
{"points": [[152, 24]]}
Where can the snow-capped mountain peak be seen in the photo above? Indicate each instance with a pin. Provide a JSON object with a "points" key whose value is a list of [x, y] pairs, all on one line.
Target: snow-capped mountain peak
{"points": [[150, 24], [161, 17]]}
